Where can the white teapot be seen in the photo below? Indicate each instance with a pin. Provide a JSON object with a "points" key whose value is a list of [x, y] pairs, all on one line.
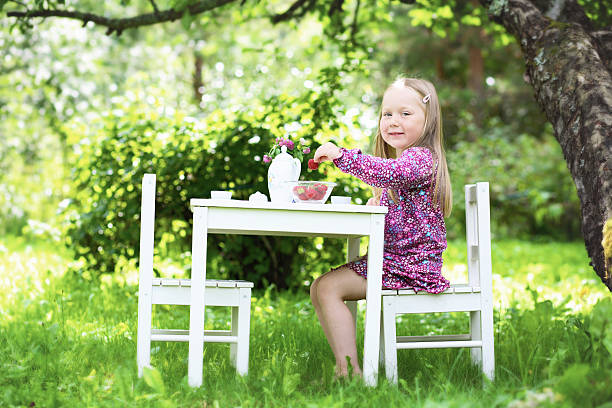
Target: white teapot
{"points": [[283, 168]]}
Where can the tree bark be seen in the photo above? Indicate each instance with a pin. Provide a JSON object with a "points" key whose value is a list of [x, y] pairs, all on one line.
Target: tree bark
{"points": [[568, 66]]}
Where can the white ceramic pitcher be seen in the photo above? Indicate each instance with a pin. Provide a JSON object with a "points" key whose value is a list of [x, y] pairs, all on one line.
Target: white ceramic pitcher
{"points": [[283, 168]]}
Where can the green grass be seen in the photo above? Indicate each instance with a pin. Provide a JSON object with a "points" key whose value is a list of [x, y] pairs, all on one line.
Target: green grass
{"points": [[67, 342]]}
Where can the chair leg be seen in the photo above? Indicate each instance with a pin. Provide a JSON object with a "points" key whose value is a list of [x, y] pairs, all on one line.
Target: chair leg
{"points": [[488, 352], [241, 322], [145, 273], [389, 338], [235, 331], [381, 352], [476, 333], [143, 348]]}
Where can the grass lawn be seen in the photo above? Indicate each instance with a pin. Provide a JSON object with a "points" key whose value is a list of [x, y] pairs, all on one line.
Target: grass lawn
{"points": [[67, 342]]}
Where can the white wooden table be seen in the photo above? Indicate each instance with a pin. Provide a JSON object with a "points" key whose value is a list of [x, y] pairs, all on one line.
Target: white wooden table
{"points": [[290, 219]]}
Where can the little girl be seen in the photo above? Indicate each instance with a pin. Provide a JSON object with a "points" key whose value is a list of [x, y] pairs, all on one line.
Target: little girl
{"points": [[409, 176]]}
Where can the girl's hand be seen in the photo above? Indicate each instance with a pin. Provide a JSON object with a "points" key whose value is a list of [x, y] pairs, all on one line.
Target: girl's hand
{"points": [[372, 201], [327, 152]]}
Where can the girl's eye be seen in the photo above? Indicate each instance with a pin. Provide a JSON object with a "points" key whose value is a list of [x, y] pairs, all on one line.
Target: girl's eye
{"points": [[387, 114], [405, 113]]}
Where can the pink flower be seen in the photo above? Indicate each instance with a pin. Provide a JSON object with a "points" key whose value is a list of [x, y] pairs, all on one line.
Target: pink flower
{"points": [[266, 158], [289, 144], [306, 150]]}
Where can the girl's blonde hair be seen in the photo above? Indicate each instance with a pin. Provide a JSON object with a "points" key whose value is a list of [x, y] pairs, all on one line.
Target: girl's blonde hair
{"points": [[431, 138]]}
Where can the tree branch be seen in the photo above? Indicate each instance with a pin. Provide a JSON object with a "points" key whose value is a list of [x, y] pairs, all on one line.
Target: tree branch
{"points": [[354, 24], [119, 24], [154, 6], [335, 7], [297, 9]]}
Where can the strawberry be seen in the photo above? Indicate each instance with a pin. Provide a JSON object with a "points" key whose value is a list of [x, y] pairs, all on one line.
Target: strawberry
{"points": [[311, 193], [312, 165]]}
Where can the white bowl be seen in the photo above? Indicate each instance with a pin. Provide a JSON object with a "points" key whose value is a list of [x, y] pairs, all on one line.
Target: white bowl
{"points": [[220, 195], [340, 200], [312, 192]]}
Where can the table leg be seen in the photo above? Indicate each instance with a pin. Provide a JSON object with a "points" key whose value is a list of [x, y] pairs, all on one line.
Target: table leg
{"points": [[196, 308], [373, 300], [352, 253]]}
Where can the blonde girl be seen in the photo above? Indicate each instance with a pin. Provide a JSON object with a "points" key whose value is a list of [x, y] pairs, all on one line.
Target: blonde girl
{"points": [[408, 175]]}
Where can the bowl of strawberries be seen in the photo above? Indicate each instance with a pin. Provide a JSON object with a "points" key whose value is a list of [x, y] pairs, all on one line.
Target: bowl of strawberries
{"points": [[312, 192]]}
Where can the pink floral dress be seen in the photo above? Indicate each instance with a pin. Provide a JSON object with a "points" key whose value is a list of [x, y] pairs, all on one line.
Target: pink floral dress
{"points": [[415, 234]]}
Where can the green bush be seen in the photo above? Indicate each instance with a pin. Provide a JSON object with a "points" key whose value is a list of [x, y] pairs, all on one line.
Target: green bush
{"points": [[191, 157], [531, 190]]}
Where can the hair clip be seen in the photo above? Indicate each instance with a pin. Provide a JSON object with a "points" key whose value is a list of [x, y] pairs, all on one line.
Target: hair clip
{"points": [[426, 98]]}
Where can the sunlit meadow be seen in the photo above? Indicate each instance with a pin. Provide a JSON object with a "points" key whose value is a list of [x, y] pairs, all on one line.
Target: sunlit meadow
{"points": [[69, 341]]}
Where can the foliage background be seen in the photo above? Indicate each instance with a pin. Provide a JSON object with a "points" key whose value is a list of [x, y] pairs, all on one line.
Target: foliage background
{"points": [[84, 115]]}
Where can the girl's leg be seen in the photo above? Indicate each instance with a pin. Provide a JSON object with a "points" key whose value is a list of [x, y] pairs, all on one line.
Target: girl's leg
{"points": [[317, 306], [328, 294]]}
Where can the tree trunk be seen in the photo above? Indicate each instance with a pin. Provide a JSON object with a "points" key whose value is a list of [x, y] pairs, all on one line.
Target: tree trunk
{"points": [[475, 78], [198, 85], [568, 66]]}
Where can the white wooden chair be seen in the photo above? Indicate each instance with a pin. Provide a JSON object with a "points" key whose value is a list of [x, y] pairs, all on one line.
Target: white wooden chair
{"points": [[155, 291], [475, 297]]}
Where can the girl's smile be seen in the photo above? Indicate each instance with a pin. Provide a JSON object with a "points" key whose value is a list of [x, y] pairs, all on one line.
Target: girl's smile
{"points": [[395, 134], [402, 118]]}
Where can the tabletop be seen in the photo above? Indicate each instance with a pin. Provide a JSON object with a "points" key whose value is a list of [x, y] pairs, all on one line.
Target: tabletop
{"points": [[267, 205], [287, 219]]}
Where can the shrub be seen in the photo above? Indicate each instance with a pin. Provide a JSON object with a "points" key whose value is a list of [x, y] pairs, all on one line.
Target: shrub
{"points": [[191, 157], [531, 190]]}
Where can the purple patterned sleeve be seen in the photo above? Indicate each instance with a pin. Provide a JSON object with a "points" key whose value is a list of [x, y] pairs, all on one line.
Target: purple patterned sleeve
{"points": [[412, 169]]}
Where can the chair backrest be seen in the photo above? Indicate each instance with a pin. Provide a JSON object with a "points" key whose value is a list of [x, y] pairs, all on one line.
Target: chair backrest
{"points": [[147, 231], [478, 234]]}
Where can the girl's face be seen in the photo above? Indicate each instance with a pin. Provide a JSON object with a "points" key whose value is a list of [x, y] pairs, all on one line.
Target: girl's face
{"points": [[403, 118]]}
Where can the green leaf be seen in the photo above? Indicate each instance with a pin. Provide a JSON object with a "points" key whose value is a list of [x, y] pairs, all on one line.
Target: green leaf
{"points": [[471, 20], [445, 12], [187, 19], [153, 379], [601, 323], [420, 17]]}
